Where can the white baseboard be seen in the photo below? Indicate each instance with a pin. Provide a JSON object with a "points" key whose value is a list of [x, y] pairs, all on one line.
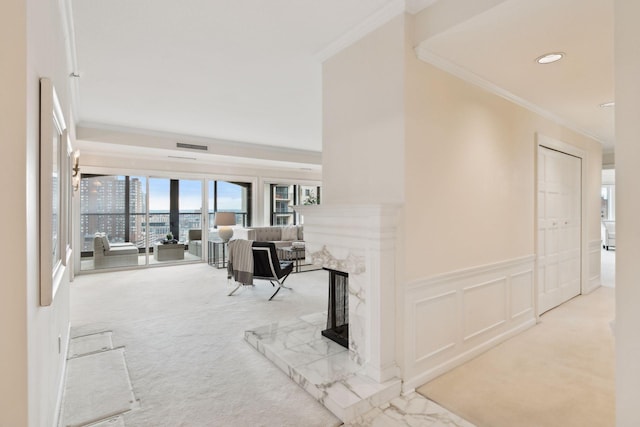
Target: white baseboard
{"points": [[61, 380], [417, 381]]}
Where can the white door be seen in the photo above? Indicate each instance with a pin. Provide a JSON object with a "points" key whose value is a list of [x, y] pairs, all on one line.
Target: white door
{"points": [[559, 225]]}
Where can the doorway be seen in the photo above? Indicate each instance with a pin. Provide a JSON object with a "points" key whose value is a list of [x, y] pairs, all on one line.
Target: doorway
{"points": [[607, 228], [559, 245]]}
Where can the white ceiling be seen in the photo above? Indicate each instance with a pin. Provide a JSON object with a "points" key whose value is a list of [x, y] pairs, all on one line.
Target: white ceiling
{"points": [[243, 70], [250, 70], [501, 44]]}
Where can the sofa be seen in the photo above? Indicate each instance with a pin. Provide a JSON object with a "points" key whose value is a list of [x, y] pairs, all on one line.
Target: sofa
{"points": [[282, 236], [195, 242], [109, 255], [608, 234]]}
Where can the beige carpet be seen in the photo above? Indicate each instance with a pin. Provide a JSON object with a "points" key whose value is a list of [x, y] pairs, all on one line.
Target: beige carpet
{"points": [[186, 356], [558, 373]]}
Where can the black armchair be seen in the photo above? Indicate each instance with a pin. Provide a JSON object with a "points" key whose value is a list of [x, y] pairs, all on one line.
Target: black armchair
{"points": [[266, 265]]}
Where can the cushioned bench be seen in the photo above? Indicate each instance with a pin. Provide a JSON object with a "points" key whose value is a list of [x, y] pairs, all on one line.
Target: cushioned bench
{"points": [[608, 234], [195, 242], [109, 255]]}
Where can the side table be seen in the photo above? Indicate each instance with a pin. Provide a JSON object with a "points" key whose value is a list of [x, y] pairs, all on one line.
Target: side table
{"points": [[292, 253], [217, 253]]}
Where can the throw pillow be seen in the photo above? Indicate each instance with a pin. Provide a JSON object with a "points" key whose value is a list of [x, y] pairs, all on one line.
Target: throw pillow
{"points": [[289, 233]]}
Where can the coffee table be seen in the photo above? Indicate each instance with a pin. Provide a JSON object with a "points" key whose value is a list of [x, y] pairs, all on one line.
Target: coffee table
{"points": [[168, 251]]}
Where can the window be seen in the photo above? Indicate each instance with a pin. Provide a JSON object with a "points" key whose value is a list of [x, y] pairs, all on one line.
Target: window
{"points": [[225, 196], [117, 206], [102, 208], [607, 203], [283, 197]]}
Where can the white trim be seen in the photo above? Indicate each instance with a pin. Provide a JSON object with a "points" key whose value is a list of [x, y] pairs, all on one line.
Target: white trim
{"points": [[69, 32], [415, 6], [373, 22], [457, 345], [470, 272], [424, 377], [424, 54], [62, 379], [595, 280]]}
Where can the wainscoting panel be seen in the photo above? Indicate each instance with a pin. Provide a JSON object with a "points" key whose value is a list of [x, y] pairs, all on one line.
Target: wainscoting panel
{"points": [[484, 307], [451, 318], [437, 315], [522, 294], [595, 246]]}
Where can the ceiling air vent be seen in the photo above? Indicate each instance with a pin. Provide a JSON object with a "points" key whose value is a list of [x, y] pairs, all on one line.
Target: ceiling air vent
{"points": [[192, 146]]}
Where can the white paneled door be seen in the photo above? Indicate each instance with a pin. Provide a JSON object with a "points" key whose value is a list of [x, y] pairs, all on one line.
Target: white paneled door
{"points": [[559, 226]]}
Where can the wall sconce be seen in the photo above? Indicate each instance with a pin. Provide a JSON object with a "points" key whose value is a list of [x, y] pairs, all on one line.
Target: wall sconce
{"points": [[75, 175]]}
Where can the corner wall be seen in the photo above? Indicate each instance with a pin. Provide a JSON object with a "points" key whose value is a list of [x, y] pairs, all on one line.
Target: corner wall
{"points": [[363, 119], [32, 368]]}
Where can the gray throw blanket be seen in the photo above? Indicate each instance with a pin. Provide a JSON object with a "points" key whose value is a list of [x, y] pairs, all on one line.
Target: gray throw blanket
{"points": [[240, 265]]}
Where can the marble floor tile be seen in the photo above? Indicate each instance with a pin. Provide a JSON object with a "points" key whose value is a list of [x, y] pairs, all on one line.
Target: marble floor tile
{"points": [[325, 370], [411, 410]]}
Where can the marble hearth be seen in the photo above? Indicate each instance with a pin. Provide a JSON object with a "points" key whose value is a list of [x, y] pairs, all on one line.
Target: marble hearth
{"points": [[359, 240], [361, 384], [325, 370], [321, 367]]}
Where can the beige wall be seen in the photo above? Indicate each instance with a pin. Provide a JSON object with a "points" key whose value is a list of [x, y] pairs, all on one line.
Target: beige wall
{"points": [[31, 368], [470, 174], [363, 119], [13, 257], [627, 165], [463, 160]]}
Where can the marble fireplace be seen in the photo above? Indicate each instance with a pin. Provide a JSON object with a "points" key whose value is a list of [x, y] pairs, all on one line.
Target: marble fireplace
{"points": [[358, 241]]}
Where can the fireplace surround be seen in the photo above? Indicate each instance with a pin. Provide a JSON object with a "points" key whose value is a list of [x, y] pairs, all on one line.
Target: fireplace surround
{"points": [[360, 240]]}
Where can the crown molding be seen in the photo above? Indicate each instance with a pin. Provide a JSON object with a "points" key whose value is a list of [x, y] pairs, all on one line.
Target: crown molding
{"points": [[415, 6], [373, 22], [429, 57]]}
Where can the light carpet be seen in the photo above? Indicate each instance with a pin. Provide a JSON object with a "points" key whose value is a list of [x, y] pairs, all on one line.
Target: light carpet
{"points": [[183, 338], [558, 373]]}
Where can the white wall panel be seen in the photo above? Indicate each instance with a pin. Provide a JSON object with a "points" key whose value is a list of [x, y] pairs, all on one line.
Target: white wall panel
{"points": [[436, 319], [453, 317], [521, 294], [594, 265], [484, 307]]}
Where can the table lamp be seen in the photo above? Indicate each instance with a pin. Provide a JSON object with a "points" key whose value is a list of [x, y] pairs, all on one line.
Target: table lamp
{"points": [[224, 221]]}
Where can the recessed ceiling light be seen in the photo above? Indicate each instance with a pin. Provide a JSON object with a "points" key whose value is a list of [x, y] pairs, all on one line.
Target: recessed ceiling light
{"points": [[548, 58], [608, 104]]}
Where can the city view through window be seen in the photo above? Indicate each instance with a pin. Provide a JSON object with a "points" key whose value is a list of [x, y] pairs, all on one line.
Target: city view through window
{"points": [[116, 205], [139, 220]]}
